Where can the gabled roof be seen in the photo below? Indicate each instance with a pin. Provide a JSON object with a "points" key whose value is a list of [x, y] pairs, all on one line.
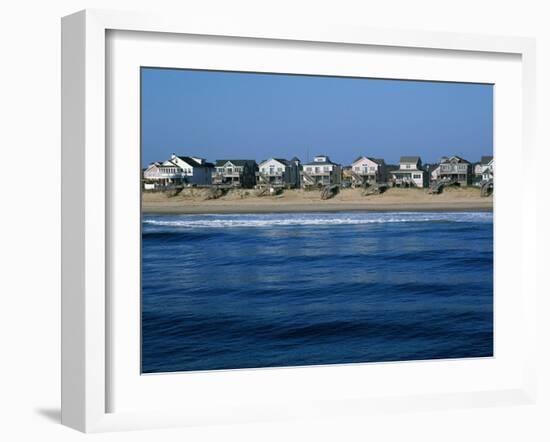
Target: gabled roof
{"points": [[409, 159], [236, 162], [455, 159], [194, 163], [280, 160], [374, 160], [485, 159]]}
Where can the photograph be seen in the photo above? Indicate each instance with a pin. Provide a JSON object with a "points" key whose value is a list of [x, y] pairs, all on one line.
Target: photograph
{"points": [[293, 220]]}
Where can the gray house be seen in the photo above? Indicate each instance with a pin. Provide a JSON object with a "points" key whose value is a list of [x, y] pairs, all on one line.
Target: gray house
{"points": [[235, 173], [321, 172], [456, 169], [279, 172]]}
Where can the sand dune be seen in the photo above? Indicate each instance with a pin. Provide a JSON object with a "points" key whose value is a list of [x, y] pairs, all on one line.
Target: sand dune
{"points": [[246, 201]]}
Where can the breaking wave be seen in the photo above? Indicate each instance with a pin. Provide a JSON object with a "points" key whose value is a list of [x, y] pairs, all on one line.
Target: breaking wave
{"points": [[314, 219]]}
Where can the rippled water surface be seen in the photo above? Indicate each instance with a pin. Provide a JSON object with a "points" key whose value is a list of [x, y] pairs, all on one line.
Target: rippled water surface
{"points": [[240, 291]]}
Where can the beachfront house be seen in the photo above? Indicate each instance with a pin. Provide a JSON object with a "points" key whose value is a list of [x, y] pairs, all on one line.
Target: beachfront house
{"points": [[279, 172], [489, 171], [235, 173], [483, 170], [321, 172], [161, 173], [178, 170], [433, 170], [196, 170], [410, 173], [456, 169], [367, 170]]}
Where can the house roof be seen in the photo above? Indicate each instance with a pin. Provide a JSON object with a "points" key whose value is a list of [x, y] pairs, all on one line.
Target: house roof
{"points": [[376, 160], [409, 159], [485, 159], [320, 163], [236, 162], [280, 160], [454, 158], [194, 163]]}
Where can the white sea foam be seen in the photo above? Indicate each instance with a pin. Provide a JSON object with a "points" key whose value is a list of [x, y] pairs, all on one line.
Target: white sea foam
{"points": [[314, 219]]}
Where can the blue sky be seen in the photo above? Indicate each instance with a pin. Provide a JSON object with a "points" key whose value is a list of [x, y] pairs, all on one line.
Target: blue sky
{"points": [[220, 115]]}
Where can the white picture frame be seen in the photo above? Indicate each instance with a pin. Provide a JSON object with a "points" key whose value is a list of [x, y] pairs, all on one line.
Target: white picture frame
{"points": [[86, 315]]}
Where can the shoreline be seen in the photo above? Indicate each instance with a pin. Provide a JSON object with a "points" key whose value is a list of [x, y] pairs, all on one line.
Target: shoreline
{"points": [[148, 209]]}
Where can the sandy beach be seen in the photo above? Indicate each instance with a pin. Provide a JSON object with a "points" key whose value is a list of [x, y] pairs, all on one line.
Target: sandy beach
{"points": [[245, 201]]}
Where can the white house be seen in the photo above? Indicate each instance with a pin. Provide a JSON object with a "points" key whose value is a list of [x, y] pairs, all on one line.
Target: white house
{"points": [[196, 170], [179, 170], [321, 172], [410, 173], [488, 172], [483, 171], [163, 173], [435, 173], [280, 172], [367, 170]]}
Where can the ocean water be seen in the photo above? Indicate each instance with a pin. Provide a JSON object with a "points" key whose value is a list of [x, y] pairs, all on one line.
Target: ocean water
{"points": [[272, 290]]}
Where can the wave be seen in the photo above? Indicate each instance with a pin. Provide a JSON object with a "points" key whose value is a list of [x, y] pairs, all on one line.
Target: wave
{"points": [[314, 219]]}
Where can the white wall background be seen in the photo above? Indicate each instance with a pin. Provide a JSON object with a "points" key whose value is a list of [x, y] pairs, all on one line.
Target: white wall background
{"points": [[30, 215]]}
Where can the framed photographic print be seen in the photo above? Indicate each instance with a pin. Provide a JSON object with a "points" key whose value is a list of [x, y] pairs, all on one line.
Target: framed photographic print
{"points": [[268, 223]]}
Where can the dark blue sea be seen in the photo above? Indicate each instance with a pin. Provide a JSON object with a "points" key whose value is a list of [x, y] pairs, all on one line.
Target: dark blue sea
{"points": [[272, 290]]}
